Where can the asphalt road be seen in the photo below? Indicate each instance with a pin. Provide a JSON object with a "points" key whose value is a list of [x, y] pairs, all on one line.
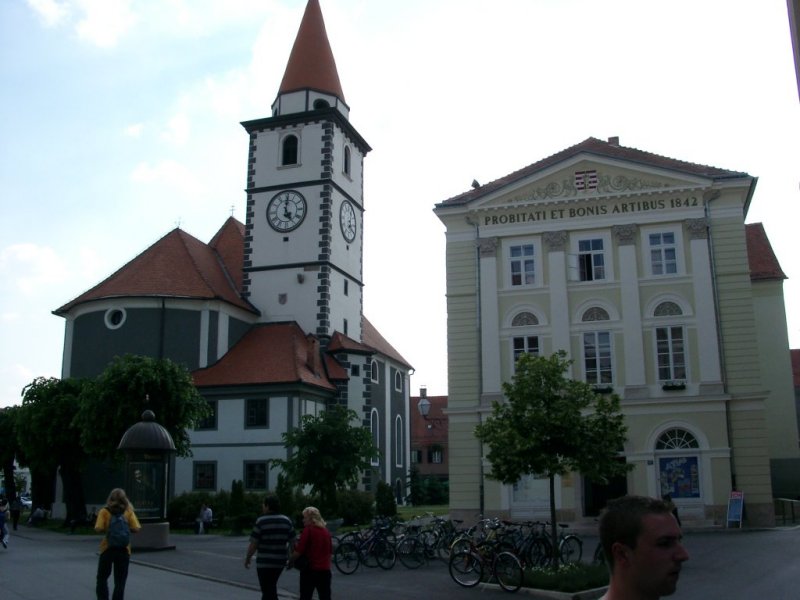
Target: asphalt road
{"points": [[38, 565]]}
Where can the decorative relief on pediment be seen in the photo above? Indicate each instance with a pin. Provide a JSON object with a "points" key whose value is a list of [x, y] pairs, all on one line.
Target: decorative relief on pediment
{"points": [[574, 188]]}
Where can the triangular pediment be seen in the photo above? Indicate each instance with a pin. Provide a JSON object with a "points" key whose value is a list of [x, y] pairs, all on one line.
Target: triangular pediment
{"points": [[593, 169], [586, 177]]}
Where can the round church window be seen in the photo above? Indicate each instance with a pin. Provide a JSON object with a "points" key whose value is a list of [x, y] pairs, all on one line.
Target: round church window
{"points": [[115, 318]]}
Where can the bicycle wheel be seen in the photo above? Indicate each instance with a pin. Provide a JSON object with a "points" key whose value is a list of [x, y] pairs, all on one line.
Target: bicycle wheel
{"points": [[385, 554], [346, 558], [368, 556], [466, 568], [539, 553], [570, 549], [461, 543], [508, 571], [443, 547], [430, 539], [411, 552], [599, 557]]}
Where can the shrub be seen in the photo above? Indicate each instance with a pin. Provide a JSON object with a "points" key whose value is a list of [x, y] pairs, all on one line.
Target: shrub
{"points": [[355, 507], [567, 578], [385, 504]]}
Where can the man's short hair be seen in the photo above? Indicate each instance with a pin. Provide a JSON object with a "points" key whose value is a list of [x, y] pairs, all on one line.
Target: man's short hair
{"points": [[272, 503], [622, 521]]}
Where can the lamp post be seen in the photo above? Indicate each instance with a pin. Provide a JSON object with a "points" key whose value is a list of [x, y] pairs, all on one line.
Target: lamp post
{"points": [[148, 447], [424, 408]]}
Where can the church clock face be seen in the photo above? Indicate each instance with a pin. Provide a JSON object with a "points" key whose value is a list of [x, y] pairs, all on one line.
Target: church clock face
{"points": [[286, 211], [347, 221]]}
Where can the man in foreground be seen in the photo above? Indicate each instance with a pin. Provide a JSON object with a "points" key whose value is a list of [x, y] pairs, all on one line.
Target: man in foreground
{"points": [[272, 536], [642, 543]]}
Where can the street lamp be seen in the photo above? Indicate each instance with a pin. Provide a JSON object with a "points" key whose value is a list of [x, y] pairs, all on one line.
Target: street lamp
{"points": [[424, 408]]}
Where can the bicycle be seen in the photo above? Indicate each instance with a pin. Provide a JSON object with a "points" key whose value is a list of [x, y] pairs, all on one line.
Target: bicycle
{"points": [[468, 567], [540, 552], [370, 548]]}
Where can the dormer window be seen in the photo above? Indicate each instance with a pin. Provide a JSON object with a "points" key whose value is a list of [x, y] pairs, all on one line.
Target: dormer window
{"points": [[289, 153], [319, 104]]}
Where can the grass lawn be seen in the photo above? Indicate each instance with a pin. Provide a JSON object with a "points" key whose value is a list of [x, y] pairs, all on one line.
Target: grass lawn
{"points": [[407, 513]]}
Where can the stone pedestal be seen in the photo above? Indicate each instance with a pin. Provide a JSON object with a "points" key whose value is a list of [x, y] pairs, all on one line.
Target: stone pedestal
{"points": [[152, 537]]}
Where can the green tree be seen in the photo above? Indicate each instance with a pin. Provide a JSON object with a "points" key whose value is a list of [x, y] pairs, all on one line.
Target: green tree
{"points": [[385, 503], [8, 448], [328, 452], [130, 385], [50, 441], [552, 425]]}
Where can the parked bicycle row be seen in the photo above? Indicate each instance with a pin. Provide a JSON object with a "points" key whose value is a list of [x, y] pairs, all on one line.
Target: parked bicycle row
{"points": [[429, 537]]}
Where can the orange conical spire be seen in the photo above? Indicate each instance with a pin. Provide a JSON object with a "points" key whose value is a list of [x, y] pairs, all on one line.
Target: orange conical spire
{"points": [[311, 63]]}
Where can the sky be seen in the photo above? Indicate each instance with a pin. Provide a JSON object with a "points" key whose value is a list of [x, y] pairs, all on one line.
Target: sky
{"points": [[120, 120]]}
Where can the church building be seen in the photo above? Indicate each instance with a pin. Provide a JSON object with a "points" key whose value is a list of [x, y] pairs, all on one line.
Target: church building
{"points": [[268, 316], [642, 269]]}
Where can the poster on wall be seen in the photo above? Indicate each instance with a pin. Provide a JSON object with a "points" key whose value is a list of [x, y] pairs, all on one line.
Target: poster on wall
{"points": [[679, 476]]}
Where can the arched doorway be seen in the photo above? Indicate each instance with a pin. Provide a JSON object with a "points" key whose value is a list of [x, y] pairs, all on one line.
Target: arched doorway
{"points": [[678, 465]]}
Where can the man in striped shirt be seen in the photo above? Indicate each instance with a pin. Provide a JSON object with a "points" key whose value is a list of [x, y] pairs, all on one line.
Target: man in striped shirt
{"points": [[272, 535]]}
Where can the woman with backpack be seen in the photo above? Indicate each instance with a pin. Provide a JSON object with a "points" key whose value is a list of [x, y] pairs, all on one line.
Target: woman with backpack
{"points": [[117, 521]]}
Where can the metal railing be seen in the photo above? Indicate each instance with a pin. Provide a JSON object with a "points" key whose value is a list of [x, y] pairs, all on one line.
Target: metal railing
{"points": [[787, 510]]}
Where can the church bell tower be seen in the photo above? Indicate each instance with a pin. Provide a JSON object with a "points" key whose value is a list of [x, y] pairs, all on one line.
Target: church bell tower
{"points": [[304, 222]]}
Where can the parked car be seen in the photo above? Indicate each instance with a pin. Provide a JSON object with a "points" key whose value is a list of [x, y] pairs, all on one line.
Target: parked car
{"points": [[26, 502]]}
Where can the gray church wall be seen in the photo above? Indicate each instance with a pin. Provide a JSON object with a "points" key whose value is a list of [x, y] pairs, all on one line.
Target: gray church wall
{"points": [[95, 345]]}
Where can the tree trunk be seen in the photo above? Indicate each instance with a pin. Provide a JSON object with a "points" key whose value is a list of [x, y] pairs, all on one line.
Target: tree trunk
{"points": [[554, 559], [74, 498]]}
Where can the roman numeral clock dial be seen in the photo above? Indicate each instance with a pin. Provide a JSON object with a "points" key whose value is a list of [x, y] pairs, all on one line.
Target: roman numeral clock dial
{"points": [[286, 211], [347, 221]]}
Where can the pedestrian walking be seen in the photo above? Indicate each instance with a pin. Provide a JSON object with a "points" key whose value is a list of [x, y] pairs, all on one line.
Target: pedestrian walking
{"points": [[271, 538], [117, 521], [316, 548], [642, 543], [4, 516]]}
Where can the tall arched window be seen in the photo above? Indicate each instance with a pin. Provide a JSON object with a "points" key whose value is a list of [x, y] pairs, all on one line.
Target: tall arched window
{"points": [[373, 371], [398, 441], [374, 426], [289, 153]]}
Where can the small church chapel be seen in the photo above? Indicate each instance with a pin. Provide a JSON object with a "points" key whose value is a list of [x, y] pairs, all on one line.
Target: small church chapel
{"points": [[268, 315]]}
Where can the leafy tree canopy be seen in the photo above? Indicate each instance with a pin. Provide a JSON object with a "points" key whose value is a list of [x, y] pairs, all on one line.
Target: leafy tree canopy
{"points": [[328, 452], [551, 425], [130, 385], [46, 433]]}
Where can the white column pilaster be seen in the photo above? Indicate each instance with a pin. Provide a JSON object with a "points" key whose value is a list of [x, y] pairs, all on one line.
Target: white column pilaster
{"points": [[633, 345], [556, 245], [490, 319]]}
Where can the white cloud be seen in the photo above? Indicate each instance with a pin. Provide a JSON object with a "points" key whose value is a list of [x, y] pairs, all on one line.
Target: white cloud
{"points": [[104, 22], [51, 12], [134, 130], [178, 130], [168, 173], [31, 268]]}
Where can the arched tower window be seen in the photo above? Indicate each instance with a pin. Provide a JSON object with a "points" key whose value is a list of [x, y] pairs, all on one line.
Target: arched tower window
{"points": [[289, 154], [347, 160], [319, 103]]}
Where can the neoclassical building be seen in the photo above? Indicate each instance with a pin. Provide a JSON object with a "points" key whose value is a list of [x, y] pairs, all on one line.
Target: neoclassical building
{"points": [[642, 269], [268, 315]]}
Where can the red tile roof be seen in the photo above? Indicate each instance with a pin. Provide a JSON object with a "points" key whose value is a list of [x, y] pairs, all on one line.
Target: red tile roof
{"points": [[311, 64], [273, 353], [176, 266], [600, 148], [375, 340], [229, 244], [763, 262]]}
